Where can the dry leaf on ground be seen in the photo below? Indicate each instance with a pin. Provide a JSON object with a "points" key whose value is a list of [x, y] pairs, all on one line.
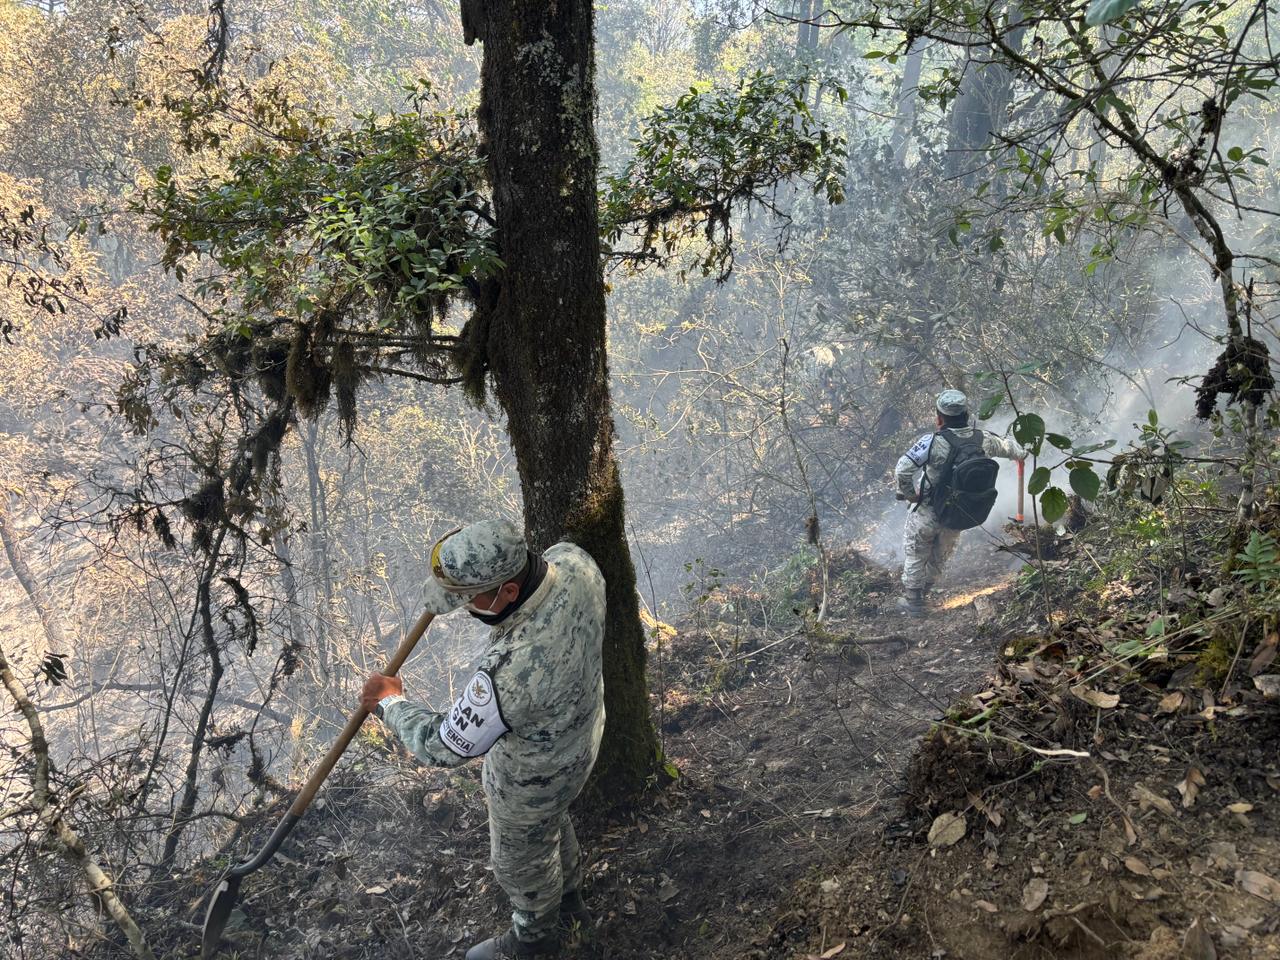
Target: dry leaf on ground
{"points": [[1197, 944], [947, 829], [1259, 884], [1146, 798], [1264, 655], [1134, 865], [1034, 894], [1190, 786], [1097, 698], [1171, 702], [1269, 684]]}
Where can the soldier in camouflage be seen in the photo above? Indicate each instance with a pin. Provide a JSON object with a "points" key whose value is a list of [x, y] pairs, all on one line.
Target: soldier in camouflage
{"points": [[534, 710], [926, 544]]}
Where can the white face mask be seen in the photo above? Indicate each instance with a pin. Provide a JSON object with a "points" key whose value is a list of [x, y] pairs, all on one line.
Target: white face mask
{"points": [[471, 607]]}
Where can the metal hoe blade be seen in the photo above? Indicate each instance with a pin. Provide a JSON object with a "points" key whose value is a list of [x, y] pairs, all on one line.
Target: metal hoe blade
{"points": [[221, 903], [225, 894]]}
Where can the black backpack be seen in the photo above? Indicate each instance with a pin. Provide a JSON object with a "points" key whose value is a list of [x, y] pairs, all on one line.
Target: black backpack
{"points": [[966, 488]]}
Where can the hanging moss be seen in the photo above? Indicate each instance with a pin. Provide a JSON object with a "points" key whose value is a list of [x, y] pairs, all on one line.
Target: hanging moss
{"points": [[205, 509], [233, 353], [270, 357], [244, 605], [346, 378], [1242, 372], [306, 380], [266, 441], [471, 355], [160, 523]]}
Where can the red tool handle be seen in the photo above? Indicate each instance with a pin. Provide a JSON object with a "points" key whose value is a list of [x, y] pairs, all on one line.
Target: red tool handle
{"points": [[1021, 488]]}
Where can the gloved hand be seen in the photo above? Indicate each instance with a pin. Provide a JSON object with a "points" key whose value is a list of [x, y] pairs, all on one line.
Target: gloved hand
{"points": [[378, 686]]}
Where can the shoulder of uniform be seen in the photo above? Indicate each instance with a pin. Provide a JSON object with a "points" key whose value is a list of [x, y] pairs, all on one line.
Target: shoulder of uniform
{"points": [[565, 552], [567, 555]]}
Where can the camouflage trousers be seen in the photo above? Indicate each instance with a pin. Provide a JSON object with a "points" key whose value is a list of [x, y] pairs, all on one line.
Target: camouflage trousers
{"points": [[926, 547], [535, 860]]}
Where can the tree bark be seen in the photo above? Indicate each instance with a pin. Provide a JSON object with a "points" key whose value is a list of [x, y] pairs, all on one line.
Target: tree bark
{"points": [[319, 536], [978, 113], [545, 329], [191, 778], [55, 639]]}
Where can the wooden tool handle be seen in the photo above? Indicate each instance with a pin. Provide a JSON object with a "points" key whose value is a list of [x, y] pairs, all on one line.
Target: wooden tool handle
{"points": [[303, 799]]}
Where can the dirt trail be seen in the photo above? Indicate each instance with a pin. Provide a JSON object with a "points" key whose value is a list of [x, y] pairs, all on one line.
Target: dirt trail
{"points": [[788, 750]]}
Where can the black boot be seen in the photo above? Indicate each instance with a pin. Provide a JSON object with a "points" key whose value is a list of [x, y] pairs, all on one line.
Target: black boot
{"points": [[912, 603], [573, 910], [510, 947]]}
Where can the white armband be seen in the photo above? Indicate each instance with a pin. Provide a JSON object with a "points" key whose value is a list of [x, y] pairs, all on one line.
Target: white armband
{"points": [[919, 453], [474, 722]]}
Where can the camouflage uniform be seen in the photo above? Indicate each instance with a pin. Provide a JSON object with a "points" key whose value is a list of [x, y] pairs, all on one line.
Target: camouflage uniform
{"points": [[535, 710], [926, 544]]}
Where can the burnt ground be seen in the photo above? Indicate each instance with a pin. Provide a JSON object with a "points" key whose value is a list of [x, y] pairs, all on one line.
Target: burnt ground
{"points": [[799, 823]]}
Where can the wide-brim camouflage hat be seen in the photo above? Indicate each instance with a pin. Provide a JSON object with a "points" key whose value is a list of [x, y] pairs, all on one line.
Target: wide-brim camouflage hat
{"points": [[472, 559], [952, 403]]}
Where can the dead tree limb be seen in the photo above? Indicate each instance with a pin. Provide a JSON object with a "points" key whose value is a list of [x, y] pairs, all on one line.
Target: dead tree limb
{"points": [[61, 838]]}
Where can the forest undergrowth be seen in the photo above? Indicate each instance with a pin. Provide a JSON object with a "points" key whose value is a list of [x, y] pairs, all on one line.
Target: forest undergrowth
{"points": [[1110, 790], [1073, 760]]}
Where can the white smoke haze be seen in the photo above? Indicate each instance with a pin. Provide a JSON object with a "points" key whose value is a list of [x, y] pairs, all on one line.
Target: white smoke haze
{"points": [[879, 311]]}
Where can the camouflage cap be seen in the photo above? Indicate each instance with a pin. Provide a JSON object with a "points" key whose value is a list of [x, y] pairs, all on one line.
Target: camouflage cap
{"points": [[472, 559], [952, 403], [478, 557]]}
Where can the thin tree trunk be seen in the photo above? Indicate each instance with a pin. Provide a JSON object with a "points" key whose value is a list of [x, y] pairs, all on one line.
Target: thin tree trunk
{"points": [[55, 639], [191, 779], [545, 334], [320, 551], [900, 140], [62, 838]]}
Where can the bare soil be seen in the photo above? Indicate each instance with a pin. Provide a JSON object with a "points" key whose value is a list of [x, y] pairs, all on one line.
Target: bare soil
{"points": [[799, 823]]}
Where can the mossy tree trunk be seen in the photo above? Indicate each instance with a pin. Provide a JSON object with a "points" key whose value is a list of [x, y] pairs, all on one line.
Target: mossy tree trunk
{"points": [[542, 327]]}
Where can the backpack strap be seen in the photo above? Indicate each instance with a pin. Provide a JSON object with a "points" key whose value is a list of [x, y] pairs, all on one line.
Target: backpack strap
{"points": [[975, 439]]}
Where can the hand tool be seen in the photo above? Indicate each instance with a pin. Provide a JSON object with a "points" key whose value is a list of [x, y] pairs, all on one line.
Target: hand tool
{"points": [[224, 895]]}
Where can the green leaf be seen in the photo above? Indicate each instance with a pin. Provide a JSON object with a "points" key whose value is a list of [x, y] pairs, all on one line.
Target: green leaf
{"points": [[1094, 447], [1156, 627], [671, 769], [1028, 430], [1039, 480], [1077, 818], [1053, 505], [1058, 440], [1236, 154], [990, 405], [1085, 482]]}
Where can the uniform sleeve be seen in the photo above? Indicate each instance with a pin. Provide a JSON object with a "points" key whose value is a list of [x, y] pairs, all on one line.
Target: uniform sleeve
{"points": [[419, 729], [467, 729], [910, 463], [994, 446]]}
